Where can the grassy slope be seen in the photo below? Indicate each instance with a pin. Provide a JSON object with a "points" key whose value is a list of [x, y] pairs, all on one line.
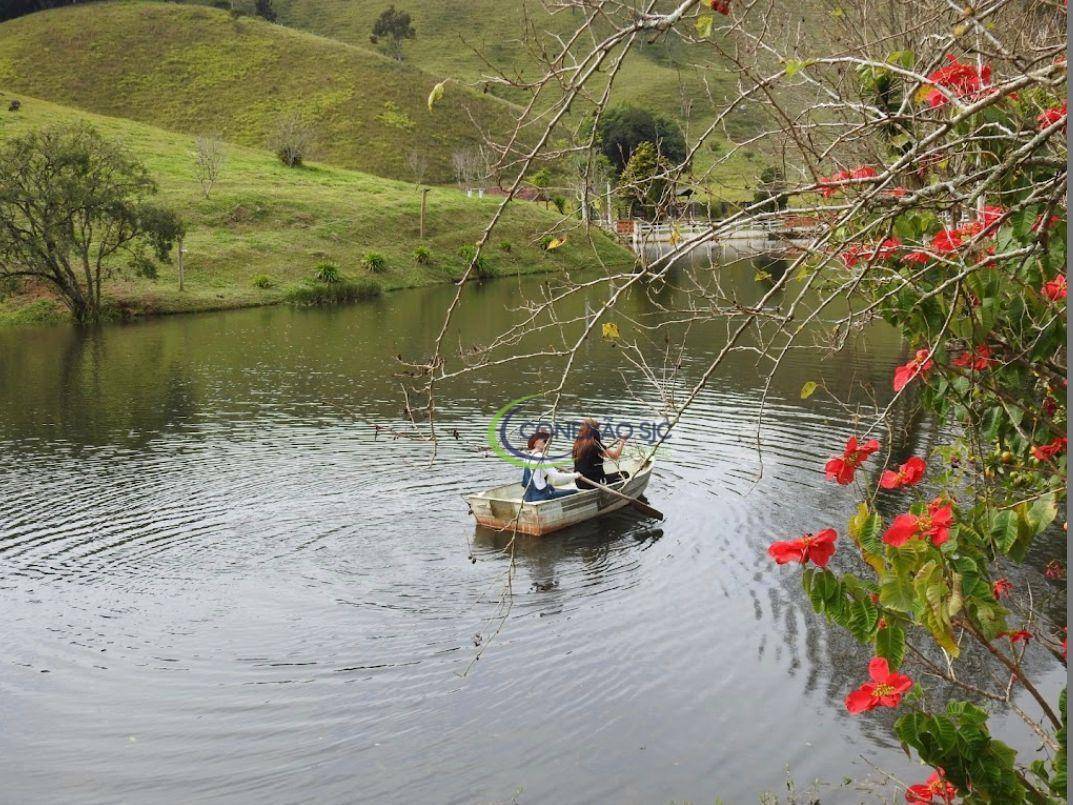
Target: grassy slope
{"points": [[263, 218], [454, 37], [193, 69]]}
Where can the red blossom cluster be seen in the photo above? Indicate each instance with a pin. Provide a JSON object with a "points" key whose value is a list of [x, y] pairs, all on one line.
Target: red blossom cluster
{"points": [[1001, 588], [1054, 570], [720, 6], [1045, 452], [1055, 114], [830, 185], [842, 468], [1055, 289], [815, 548], [949, 241], [958, 79], [1020, 636], [1041, 225], [907, 474], [934, 524], [978, 359], [936, 789], [885, 689], [856, 252], [919, 365]]}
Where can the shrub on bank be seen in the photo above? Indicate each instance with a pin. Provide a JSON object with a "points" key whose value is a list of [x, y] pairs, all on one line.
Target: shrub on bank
{"points": [[467, 252], [374, 262], [263, 281], [327, 273], [423, 256], [324, 293]]}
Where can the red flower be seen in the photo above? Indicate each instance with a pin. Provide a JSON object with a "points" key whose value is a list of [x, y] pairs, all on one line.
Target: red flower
{"points": [[1050, 223], [831, 185], [885, 690], [991, 214], [852, 255], [935, 789], [917, 257], [1054, 570], [884, 251], [899, 192], [935, 524], [947, 240], [1020, 636], [1056, 288], [908, 474], [1048, 117], [815, 548], [842, 469], [920, 365], [1001, 588], [979, 359], [958, 79], [1045, 452]]}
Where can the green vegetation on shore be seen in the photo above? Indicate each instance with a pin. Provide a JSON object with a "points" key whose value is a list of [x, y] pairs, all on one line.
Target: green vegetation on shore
{"points": [[197, 70], [263, 230]]}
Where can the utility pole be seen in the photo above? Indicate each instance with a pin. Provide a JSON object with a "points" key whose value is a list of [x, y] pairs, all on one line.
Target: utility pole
{"points": [[424, 207], [182, 251]]}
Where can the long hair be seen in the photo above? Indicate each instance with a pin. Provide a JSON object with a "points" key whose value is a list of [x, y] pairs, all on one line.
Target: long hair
{"points": [[587, 441]]}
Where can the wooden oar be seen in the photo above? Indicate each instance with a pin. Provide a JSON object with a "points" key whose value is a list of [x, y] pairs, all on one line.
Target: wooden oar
{"points": [[644, 508]]}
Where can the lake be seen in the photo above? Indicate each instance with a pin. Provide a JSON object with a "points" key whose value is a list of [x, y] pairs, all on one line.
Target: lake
{"points": [[219, 583]]}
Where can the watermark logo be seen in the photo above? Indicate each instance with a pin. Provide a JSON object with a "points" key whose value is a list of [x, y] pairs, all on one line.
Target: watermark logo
{"points": [[513, 424]]}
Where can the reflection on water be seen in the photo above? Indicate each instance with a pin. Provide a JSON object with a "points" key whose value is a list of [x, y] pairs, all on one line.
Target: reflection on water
{"points": [[219, 583]]}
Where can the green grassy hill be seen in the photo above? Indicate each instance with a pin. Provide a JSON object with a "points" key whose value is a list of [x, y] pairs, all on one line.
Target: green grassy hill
{"points": [[264, 219], [460, 38], [194, 69]]}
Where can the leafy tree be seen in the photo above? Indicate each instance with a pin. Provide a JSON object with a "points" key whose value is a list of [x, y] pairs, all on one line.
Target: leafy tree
{"points": [[9, 9], [541, 181], [623, 128], [393, 27], [70, 201], [264, 9], [642, 182], [769, 195]]}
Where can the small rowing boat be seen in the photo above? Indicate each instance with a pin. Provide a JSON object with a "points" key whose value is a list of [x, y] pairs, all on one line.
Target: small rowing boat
{"points": [[502, 507]]}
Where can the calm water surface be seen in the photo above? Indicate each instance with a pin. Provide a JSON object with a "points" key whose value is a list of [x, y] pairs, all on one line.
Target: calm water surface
{"points": [[218, 585]]}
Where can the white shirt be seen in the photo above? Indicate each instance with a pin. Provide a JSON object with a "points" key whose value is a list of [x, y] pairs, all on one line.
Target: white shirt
{"points": [[544, 474]]}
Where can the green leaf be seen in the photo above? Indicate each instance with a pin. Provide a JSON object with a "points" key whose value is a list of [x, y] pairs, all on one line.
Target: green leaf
{"points": [[1004, 530], [890, 644], [896, 588], [795, 66], [704, 26], [808, 389], [903, 58]]}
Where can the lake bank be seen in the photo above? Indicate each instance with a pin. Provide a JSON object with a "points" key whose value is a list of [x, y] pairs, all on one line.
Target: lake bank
{"points": [[263, 229]]}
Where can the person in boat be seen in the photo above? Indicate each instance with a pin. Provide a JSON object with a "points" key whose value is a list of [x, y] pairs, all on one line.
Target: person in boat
{"points": [[590, 453], [538, 475]]}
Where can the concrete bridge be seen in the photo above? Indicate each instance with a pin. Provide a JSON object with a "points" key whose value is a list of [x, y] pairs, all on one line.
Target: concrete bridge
{"points": [[749, 236]]}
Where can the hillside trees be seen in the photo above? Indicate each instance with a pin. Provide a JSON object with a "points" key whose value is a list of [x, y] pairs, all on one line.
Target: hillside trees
{"points": [[9, 9], [391, 28], [621, 129], [71, 202]]}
